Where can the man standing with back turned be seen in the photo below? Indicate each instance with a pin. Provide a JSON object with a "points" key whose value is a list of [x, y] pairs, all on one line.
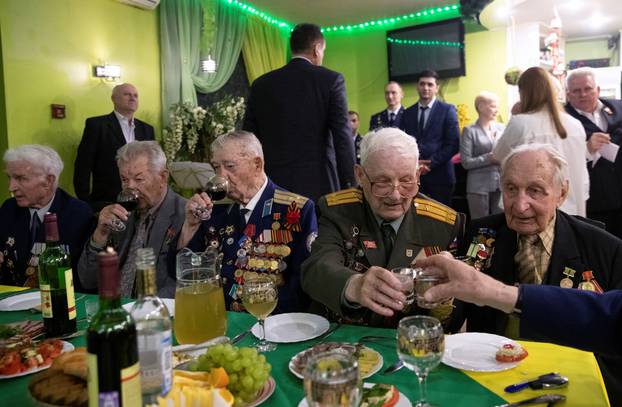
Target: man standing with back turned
{"points": [[299, 113]]}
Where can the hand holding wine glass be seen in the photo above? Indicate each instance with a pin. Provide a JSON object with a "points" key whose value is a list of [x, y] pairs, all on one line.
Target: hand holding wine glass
{"points": [[216, 188], [420, 346], [259, 296], [128, 199]]}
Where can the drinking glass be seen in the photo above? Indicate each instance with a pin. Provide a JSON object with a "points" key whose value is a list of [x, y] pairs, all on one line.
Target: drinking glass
{"points": [[216, 188], [127, 198], [420, 346], [423, 282], [332, 379], [406, 276], [259, 297], [199, 299]]}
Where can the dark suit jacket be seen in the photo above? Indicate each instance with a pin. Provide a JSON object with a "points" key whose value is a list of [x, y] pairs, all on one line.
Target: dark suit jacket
{"points": [[299, 113], [162, 238], [583, 319], [227, 231], [97, 151], [332, 263], [439, 142], [381, 119], [74, 227], [605, 176]]}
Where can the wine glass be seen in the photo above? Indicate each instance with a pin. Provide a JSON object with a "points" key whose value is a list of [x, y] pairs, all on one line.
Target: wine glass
{"points": [[406, 276], [332, 379], [127, 198], [216, 188], [420, 346], [423, 282], [259, 297]]}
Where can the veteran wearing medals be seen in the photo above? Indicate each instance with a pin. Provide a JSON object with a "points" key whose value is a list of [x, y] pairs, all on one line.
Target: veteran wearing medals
{"points": [[33, 172], [364, 233], [534, 242], [266, 230]]}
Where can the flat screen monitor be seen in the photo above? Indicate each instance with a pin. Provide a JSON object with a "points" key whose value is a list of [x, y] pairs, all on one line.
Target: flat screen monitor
{"points": [[438, 46]]}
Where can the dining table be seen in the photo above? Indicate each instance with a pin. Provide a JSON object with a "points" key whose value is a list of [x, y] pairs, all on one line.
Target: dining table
{"points": [[446, 386]]}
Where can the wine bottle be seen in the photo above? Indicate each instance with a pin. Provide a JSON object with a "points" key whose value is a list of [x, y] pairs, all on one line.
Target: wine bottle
{"points": [[58, 303], [112, 359], [153, 326]]}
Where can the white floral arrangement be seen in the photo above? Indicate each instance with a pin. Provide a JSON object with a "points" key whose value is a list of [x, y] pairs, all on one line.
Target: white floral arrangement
{"points": [[191, 129]]}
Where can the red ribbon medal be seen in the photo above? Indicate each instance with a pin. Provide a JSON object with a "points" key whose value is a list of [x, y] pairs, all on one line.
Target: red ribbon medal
{"points": [[293, 217]]}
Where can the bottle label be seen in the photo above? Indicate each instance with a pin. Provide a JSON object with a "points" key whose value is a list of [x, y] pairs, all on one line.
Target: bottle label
{"points": [[131, 395], [46, 300], [155, 361], [71, 298]]}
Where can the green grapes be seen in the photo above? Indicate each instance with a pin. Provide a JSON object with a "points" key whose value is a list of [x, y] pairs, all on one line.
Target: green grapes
{"points": [[247, 369]]}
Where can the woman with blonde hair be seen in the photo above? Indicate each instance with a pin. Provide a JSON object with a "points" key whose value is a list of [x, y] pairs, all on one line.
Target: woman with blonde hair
{"points": [[542, 120], [476, 144]]}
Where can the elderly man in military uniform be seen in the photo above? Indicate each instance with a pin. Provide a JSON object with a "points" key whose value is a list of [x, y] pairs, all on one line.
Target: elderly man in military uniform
{"points": [[266, 230], [364, 233]]}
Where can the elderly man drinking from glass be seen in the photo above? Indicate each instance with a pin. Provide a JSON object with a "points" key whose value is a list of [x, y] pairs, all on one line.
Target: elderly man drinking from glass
{"points": [[364, 233]]}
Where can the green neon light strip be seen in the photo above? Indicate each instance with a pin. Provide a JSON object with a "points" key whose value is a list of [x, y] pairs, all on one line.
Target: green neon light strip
{"points": [[426, 43], [424, 14]]}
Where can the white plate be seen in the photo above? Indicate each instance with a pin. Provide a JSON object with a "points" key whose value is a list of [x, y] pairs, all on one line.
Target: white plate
{"points": [[372, 371], [21, 302], [169, 302], [401, 402], [293, 327], [475, 351], [67, 347]]}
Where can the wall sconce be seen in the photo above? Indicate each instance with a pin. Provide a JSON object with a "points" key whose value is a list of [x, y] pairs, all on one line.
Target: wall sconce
{"points": [[109, 72], [208, 65]]}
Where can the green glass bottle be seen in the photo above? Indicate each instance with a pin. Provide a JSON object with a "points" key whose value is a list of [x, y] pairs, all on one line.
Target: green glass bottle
{"points": [[114, 369], [58, 303]]}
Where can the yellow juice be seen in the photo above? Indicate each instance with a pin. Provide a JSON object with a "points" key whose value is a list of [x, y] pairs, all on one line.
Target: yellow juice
{"points": [[260, 310], [199, 313]]}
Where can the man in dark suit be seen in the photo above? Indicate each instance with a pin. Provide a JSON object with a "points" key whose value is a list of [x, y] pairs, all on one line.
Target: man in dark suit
{"points": [[299, 113], [534, 243], [392, 115], [602, 120], [154, 223], [435, 126], [582, 319], [363, 234], [266, 230], [33, 172], [355, 122], [102, 137]]}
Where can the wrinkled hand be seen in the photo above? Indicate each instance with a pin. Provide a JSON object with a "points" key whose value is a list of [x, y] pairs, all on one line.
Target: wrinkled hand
{"points": [[424, 166], [201, 200], [106, 216], [466, 283], [596, 141], [377, 289]]}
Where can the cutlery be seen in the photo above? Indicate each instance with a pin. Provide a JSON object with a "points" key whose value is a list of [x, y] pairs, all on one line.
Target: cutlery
{"points": [[240, 336], [546, 381], [393, 368], [549, 399], [329, 332], [190, 348], [38, 338]]}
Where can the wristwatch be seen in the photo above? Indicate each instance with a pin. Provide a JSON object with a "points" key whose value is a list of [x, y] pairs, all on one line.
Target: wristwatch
{"points": [[518, 307]]}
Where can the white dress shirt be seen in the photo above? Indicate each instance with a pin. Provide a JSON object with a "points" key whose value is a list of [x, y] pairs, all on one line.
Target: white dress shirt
{"points": [[127, 127]]}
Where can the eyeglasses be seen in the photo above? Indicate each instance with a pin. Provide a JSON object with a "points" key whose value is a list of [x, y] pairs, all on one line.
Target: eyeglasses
{"points": [[384, 189]]}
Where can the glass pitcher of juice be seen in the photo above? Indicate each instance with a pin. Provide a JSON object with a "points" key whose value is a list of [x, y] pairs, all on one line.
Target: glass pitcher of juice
{"points": [[199, 299]]}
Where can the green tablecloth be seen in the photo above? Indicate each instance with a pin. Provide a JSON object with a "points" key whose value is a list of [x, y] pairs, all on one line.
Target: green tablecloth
{"points": [[446, 386]]}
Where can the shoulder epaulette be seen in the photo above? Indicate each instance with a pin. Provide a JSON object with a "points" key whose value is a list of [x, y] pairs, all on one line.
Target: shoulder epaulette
{"points": [[435, 210], [345, 196], [286, 198]]}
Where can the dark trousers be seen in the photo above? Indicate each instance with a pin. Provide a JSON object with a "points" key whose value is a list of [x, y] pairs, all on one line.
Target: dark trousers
{"points": [[441, 193], [611, 219]]}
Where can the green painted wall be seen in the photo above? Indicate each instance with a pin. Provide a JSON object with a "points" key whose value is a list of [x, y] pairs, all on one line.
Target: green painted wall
{"points": [[48, 49], [591, 49], [362, 58]]}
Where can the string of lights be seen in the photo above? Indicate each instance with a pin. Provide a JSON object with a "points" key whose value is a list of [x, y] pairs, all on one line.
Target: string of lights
{"points": [[425, 42]]}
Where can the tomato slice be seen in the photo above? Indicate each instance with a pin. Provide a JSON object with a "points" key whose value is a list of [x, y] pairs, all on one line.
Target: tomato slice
{"points": [[394, 398]]}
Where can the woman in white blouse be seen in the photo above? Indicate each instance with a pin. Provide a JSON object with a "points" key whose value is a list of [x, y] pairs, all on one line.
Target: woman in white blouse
{"points": [[476, 144], [542, 120]]}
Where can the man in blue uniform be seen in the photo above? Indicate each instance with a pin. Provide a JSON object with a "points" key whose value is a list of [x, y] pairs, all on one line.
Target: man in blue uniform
{"points": [[266, 230]]}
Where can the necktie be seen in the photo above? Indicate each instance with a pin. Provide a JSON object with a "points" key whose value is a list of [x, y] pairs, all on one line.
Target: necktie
{"points": [[422, 109], [526, 260], [35, 225], [388, 238], [391, 119], [128, 270]]}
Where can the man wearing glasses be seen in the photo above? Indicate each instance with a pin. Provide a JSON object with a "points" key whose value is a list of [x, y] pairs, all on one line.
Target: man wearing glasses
{"points": [[364, 233]]}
